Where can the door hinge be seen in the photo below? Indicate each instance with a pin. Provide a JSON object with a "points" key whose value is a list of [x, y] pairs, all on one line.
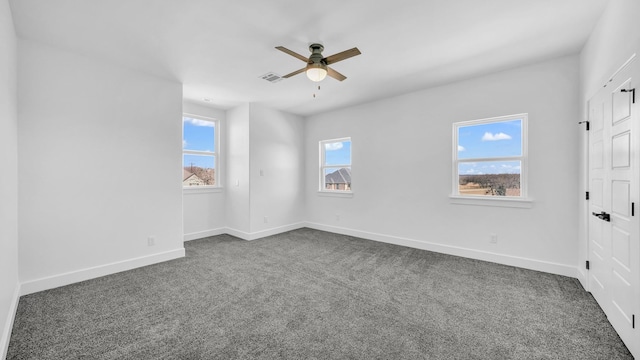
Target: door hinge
{"points": [[633, 94], [585, 122], [587, 196], [633, 209], [587, 264], [633, 321]]}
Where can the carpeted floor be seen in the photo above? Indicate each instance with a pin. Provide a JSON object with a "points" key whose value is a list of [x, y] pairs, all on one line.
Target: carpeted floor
{"points": [[308, 294]]}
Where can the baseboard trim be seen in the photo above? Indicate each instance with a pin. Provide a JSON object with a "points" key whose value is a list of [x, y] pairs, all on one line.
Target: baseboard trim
{"points": [[51, 282], [526, 263], [522, 262], [8, 326], [203, 234], [263, 233], [237, 233], [274, 231]]}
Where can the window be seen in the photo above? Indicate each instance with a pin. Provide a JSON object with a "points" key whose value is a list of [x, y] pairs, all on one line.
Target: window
{"points": [[335, 165], [490, 157], [199, 152]]}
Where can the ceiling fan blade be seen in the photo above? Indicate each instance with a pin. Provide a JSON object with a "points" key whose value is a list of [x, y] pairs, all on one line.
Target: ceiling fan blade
{"points": [[341, 56], [295, 73], [292, 53], [334, 74]]}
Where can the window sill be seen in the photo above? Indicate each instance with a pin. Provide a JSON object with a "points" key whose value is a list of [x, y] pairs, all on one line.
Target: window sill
{"points": [[201, 190], [342, 194], [523, 203]]}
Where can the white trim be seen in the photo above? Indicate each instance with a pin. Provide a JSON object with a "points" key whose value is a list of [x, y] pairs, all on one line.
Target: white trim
{"points": [[492, 119], [277, 230], [201, 117], [237, 233], [619, 70], [203, 234], [199, 152], [263, 233], [517, 261], [192, 190], [8, 326], [512, 202], [51, 282], [336, 193], [583, 277], [521, 262]]}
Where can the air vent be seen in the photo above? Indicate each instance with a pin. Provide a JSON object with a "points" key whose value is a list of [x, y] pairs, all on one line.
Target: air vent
{"points": [[271, 77]]}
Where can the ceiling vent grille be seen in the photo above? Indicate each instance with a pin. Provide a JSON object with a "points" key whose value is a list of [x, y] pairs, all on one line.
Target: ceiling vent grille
{"points": [[271, 77]]}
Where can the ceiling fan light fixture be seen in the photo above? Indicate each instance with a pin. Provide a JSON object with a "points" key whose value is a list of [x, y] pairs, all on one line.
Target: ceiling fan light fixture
{"points": [[317, 65], [316, 72]]}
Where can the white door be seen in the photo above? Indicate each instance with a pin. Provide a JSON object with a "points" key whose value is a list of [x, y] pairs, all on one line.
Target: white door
{"points": [[614, 186]]}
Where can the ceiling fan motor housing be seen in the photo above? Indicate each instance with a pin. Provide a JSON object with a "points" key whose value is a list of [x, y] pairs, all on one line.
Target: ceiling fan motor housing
{"points": [[316, 54]]}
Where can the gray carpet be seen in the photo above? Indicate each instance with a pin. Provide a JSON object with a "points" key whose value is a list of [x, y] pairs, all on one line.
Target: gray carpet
{"points": [[308, 294]]}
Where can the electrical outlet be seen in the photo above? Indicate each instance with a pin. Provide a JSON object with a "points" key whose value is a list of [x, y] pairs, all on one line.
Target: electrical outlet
{"points": [[494, 238], [151, 241], [237, 182]]}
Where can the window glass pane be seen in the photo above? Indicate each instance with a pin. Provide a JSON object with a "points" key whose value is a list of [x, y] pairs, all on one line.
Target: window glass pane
{"points": [[337, 153], [198, 134], [496, 139], [337, 178], [489, 178], [198, 170]]}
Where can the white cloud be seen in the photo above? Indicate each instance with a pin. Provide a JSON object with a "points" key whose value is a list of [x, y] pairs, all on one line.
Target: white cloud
{"points": [[198, 122], [333, 146], [473, 172], [495, 137], [461, 148]]}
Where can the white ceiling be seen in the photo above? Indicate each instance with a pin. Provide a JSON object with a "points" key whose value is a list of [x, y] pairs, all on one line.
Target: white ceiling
{"points": [[219, 48]]}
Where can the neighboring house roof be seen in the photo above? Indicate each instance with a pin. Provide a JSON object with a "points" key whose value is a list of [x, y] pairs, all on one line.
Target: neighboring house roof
{"points": [[340, 176], [186, 174]]}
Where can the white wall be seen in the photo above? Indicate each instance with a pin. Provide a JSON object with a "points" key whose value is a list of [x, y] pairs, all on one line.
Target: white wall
{"points": [[237, 177], [265, 171], [99, 158], [203, 211], [402, 169], [277, 169], [615, 38], [9, 285]]}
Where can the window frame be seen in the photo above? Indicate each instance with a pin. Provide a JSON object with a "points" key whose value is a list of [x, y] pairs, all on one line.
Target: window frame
{"points": [[322, 149], [510, 201], [215, 153]]}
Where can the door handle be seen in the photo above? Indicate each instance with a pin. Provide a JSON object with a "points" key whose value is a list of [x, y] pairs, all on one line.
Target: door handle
{"points": [[602, 216]]}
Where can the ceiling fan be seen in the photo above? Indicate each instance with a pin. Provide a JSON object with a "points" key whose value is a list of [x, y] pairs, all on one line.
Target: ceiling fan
{"points": [[317, 65]]}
